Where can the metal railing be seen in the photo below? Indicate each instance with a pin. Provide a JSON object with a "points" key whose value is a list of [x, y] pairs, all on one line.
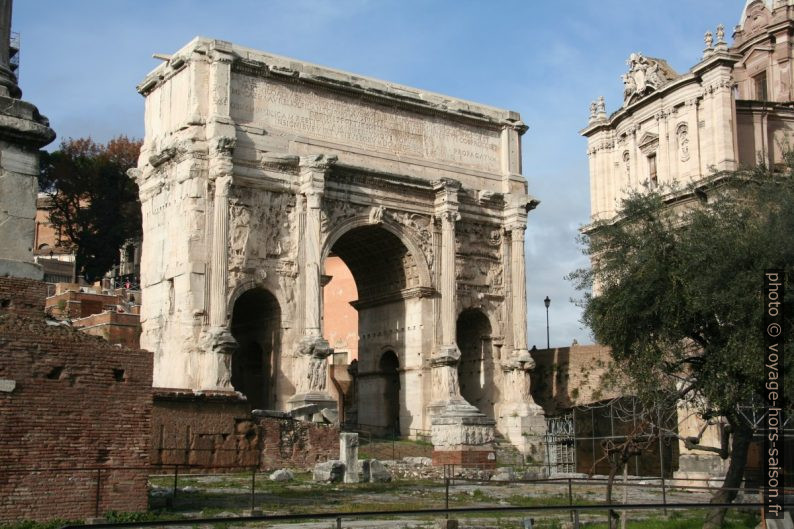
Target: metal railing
{"points": [[447, 511], [453, 475]]}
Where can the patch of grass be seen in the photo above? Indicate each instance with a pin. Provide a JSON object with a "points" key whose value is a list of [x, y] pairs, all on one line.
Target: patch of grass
{"points": [[29, 524], [147, 516], [519, 500], [692, 519], [479, 495]]}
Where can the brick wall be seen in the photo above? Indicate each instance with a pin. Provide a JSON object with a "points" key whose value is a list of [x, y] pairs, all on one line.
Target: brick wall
{"points": [[22, 296], [76, 304], [571, 376], [115, 327], [482, 459], [68, 400], [291, 443], [217, 429]]}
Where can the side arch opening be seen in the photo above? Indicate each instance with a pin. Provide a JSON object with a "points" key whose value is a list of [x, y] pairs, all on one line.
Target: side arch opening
{"points": [[256, 325], [476, 367]]}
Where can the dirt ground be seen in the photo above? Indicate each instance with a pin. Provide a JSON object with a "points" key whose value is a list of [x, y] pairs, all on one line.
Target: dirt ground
{"points": [[218, 496]]}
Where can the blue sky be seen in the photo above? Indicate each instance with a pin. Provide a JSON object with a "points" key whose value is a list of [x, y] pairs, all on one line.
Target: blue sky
{"points": [[81, 60]]}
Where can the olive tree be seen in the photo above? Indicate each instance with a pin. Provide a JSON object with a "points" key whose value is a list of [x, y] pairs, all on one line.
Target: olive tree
{"points": [[678, 278]]}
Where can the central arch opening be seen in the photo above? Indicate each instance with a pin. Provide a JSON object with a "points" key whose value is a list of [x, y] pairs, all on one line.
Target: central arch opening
{"points": [[383, 271], [256, 325]]}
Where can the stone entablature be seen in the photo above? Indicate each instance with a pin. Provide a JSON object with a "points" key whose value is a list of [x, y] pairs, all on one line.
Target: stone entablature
{"points": [[255, 168], [732, 109]]}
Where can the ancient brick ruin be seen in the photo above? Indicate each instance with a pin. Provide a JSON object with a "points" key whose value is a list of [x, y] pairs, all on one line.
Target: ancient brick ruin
{"points": [[72, 408]]}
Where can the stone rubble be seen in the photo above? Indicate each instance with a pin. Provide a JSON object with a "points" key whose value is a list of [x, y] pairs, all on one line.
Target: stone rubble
{"points": [[332, 471], [374, 471], [282, 475]]}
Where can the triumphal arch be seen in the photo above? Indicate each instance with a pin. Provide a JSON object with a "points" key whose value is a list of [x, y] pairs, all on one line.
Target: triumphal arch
{"points": [[256, 168]]}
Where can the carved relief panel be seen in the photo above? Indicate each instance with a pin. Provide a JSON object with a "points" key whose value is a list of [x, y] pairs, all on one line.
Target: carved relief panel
{"points": [[479, 256], [260, 227]]}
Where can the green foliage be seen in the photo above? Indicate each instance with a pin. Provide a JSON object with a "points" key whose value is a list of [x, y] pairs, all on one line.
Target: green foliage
{"points": [[680, 287], [95, 206], [28, 524], [692, 520], [147, 516]]}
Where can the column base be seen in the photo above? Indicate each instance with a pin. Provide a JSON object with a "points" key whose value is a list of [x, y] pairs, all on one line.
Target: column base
{"points": [[312, 354], [218, 345], [524, 359], [524, 425], [700, 469], [462, 435], [319, 399]]}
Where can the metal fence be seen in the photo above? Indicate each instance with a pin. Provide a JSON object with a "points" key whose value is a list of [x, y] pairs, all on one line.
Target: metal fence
{"points": [[570, 488]]}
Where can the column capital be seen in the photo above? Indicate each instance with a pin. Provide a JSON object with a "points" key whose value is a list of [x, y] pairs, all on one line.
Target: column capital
{"points": [[446, 191], [449, 216], [517, 228], [223, 185], [221, 51], [317, 163], [313, 170], [221, 151], [223, 145]]}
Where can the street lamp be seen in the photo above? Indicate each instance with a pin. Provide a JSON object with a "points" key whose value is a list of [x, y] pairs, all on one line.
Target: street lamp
{"points": [[547, 302]]}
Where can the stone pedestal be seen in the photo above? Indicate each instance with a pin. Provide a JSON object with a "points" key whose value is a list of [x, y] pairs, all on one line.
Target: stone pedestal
{"points": [[22, 132], [461, 435], [311, 364], [524, 425], [520, 419], [348, 454]]}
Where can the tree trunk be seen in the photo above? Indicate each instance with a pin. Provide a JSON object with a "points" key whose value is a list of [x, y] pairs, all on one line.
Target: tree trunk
{"points": [[624, 513], [614, 468], [733, 477]]}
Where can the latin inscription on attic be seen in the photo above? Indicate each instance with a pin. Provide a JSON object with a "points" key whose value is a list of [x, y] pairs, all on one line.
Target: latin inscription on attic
{"points": [[333, 117]]}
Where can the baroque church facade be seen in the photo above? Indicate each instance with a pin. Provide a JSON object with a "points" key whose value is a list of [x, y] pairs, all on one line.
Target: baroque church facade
{"points": [[733, 109]]}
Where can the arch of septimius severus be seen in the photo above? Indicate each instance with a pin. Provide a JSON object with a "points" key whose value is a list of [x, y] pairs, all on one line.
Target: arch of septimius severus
{"points": [[255, 168]]}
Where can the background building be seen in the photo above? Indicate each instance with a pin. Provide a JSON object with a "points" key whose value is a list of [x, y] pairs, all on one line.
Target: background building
{"points": [[732, 109]]}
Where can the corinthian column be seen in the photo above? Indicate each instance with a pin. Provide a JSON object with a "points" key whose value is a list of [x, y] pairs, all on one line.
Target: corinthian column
{"points": [[216, 341], [312, 263], [446, 388], [311, 365], [519, 418], [220, 242], [519, 288], [448, 287], [8, 80], [460, 433]]}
